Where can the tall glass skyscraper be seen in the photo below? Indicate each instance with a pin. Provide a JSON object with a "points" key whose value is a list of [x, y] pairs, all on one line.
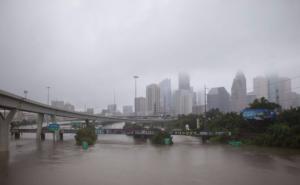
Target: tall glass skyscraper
{"points": [[239, 93]]}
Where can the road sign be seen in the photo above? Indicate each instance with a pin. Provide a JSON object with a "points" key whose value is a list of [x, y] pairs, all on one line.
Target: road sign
{"points": [[53, 127]]}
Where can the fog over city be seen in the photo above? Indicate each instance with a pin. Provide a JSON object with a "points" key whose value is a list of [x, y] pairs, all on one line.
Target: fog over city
{"points": [[87, 50]]}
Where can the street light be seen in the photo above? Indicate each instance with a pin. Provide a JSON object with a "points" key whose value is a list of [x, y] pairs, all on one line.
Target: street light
{"points": [[48, 95], [48, 102]]}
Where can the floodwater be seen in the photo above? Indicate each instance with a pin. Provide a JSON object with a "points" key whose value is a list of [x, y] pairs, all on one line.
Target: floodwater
{"points": [[120, 159]]}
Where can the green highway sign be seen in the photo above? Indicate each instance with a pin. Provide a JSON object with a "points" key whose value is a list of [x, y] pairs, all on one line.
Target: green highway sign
{"points": [[53, 127]]}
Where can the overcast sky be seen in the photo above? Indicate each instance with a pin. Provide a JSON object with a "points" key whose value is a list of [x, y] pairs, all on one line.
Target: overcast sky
{"points": [[84, 49]]}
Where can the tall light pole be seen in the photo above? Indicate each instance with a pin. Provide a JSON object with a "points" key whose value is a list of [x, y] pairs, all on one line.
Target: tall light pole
{"points": [[48, 95], [48, 102], [135, 92]]}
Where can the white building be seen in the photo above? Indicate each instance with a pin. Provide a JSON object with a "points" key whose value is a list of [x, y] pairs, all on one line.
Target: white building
{"points": [[183, 102], [260, 87]]}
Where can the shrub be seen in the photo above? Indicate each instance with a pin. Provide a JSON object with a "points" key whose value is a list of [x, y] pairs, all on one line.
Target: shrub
{"points": [[159, 137], [87, 134]]}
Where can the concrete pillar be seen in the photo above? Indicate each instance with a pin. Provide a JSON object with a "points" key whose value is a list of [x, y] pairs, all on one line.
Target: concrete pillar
{"points": [[40, 120], [4, 130]]}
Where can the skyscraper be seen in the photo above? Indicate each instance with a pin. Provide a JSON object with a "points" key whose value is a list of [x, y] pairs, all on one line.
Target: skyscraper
{"points": [[280, 91], [153, 99], [165, 96], [184, 81], [260, 87], [218, 98], [183, 102], [184, 97], [239, 93]]}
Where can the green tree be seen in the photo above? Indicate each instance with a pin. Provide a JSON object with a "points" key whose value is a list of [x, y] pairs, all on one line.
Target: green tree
{"points": [[263, 103], [159, 137], [87, 134]]}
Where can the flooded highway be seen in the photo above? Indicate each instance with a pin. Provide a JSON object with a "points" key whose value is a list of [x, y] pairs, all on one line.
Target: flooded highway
{"points": [[120, 159]]}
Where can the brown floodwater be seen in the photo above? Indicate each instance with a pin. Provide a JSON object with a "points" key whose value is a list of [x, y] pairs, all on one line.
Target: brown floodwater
{"points": [[120, 159]]}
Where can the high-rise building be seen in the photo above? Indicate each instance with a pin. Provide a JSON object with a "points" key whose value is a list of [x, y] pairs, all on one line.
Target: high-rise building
{"points": [[183, 102], [239, 93], [153, 99], [218, 98], [184, 81], [200, 98], [127, 110], [165, 96], [140, 106], [260, 87], [284, 92], [273, 90], [280, 90], [294, 99]]}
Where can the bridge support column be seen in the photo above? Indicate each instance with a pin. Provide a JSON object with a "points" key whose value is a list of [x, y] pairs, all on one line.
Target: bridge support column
{"points": [[4, 130], [40, 120]]}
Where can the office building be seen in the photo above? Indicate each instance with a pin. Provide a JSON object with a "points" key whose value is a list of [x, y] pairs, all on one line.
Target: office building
{"points": [[218, 98], [153, 99], [165, 96]]}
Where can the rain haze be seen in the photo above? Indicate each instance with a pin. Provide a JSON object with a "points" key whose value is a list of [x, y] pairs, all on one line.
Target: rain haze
{"points": [[86, 50]]}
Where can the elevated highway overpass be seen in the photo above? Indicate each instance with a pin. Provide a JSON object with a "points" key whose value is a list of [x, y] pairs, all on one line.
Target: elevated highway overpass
{"points": [[14, 103]]}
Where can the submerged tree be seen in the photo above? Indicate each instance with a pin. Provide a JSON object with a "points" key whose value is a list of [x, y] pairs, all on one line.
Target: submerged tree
{"points": [[87, 134]]}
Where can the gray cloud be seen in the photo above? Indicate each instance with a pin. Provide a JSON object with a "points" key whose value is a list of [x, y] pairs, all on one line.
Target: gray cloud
{"points": [[86, 49]]}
